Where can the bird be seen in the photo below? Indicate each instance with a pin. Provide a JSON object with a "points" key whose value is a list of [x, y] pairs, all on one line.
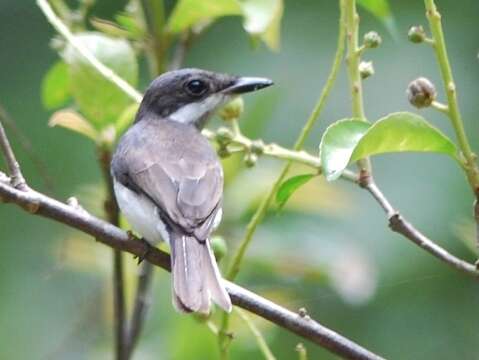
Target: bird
{"points": [[168, 180]]}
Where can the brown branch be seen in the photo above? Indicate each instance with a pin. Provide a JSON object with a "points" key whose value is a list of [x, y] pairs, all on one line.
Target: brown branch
{"points": [[27, 147], [118, 239], [141, 304], [16, 177], [399, 224], [113, 216]]}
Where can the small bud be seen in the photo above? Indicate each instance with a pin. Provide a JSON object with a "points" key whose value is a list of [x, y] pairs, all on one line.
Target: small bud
{"points": [[421, 92], [257, 147], [250, 159], [372, 40], [224, 135], [366, 69], [232, 110], [416, 34], [219, 247], [223, 152]]}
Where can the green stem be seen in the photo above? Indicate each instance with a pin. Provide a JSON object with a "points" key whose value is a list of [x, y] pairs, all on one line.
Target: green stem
{"points": [[302, 352], [353, 60], [434, 18], [263, 346], [263, 207], [154, 14], [260, 212]]}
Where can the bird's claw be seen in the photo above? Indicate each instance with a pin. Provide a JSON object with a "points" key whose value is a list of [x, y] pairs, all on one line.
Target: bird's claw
{"points": [[143, 256]]}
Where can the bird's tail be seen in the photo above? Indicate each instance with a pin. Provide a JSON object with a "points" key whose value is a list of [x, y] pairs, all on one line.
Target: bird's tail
{"points": [[196, 279]]}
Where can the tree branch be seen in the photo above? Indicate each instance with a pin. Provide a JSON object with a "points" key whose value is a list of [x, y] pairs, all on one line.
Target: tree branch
{"points": [[17, 180], [113, 216], [141, 304], [399, 224], [118, 239]]}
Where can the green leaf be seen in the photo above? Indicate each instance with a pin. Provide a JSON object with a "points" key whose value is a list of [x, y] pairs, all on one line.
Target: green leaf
{"points": [[290, 186], [381, 10], [130, 23], [108, 28], [338, 143], [190, 12], [56, 86], [262, 18], [73, 121], [97, 98], [401, 132]]}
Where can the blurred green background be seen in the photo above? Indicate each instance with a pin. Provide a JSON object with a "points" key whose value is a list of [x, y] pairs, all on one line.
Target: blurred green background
{"points": [[330, 250]]}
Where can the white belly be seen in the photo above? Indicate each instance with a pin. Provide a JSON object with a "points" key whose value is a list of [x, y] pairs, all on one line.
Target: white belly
{"points": [[141, 213]]}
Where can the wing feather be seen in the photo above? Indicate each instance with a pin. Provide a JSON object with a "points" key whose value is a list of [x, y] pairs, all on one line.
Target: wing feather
{"points": [[175, 166]]}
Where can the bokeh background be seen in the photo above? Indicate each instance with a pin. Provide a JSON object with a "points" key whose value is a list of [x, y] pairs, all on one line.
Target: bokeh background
{"points": [[329, 251]]}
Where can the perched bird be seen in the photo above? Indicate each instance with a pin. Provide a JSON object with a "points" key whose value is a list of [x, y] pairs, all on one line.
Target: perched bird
{"points": [[168, 180]]}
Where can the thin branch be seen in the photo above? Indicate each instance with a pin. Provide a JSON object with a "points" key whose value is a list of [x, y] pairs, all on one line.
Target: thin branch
{"points": [[77, 45], [262, 344], [26, 145], [116, 238], [399, 224], [16, 176], [454, 113], [141, 304], [277, 151], [113, 216], [180, 51], [353, 59]]}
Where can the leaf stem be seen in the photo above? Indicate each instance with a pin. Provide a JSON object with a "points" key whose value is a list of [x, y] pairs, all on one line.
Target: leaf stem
{"points": [[434, 18]]}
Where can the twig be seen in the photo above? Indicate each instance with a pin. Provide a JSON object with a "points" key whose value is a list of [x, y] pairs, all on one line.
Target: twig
{"points": [[353, 59], [154, 16], [16, 176], [141, 304], [77, 45], [113, 215], [400, 225], [263, 346], [181, 49], [454, 113], [116, 238], [26, 145], [279, 152], [452, 107]]}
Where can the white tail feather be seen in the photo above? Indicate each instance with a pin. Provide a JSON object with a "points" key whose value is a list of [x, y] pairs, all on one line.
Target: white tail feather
{"points": [[196, 277]]}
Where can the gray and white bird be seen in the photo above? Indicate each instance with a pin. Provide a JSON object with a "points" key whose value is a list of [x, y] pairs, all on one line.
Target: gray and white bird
{"points": [[168, 180]]}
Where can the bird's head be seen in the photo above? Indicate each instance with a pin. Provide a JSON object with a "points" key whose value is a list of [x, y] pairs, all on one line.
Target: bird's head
{"points": [[192, 95]]}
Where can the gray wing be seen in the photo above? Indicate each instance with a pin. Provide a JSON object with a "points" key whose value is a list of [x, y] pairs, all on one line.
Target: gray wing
{"points": [[175, 166]]}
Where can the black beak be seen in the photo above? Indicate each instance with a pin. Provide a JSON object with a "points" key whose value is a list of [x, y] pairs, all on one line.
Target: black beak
{"points": [[247, 84]]}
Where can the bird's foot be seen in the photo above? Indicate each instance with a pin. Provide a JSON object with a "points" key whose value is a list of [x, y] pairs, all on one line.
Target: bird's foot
{"points": [[145, 252]]}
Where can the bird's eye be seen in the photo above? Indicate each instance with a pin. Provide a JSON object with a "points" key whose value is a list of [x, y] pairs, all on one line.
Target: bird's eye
{"points": [[196, 87]]}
